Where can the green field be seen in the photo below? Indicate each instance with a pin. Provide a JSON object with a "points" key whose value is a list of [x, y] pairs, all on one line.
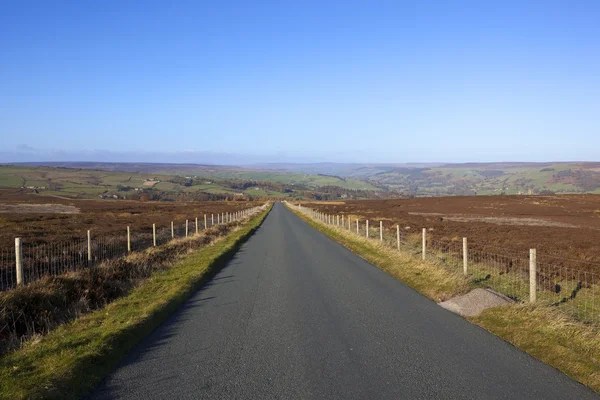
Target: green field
{"points": [[89, 183]]}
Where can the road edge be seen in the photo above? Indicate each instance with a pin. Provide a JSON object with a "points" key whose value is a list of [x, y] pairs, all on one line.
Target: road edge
{"points": [[70, 361], [528, 328]]}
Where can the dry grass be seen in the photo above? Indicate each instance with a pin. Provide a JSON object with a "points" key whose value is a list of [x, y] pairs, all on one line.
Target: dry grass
{"points": [[561, 228], [549, 336], [545, 333], [437, 283], [69, 361], [36, 309]]}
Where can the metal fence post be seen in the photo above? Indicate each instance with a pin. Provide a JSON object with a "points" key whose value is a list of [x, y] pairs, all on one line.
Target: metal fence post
{"points": [[465, 256], [424, 244], [532, 276], [19, 261]]}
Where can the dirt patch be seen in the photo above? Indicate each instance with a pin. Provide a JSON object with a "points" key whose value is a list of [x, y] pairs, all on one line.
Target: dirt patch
{"points": [[500, 220], [38, 208], [474, 302]]}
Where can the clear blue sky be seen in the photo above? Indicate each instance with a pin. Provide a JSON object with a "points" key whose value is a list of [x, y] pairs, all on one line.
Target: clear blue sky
{"points": [[361, 81]]}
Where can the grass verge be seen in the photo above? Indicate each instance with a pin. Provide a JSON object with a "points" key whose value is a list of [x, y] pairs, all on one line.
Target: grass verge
{"points": [[71, 360], [438, 284], [545, 333]]}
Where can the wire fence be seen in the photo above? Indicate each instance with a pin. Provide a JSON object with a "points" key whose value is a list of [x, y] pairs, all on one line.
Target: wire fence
{"points": [[567, 285], [56, 258]]}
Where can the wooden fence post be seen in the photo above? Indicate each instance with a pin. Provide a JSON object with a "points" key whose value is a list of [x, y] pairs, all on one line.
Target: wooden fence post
{"points": [[19, 261], [343, 225], [424, 244], [204, 221], [154, 235], [186, 228], [172, 231], [367, 228], [532, 276], [128, 239], [89, 245], [212, 219], [357, 228], [465, 256], [398, 236], [381, 231], [196, 225]]}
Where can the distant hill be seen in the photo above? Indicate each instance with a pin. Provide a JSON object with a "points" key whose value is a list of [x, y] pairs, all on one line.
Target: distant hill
{"points": [[416, 179]]}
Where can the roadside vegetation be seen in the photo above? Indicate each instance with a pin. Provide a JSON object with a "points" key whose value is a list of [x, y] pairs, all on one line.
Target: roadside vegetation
{"points": [[566, 344], [70, 359]]}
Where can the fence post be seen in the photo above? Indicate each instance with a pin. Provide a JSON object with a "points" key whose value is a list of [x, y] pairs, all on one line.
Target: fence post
{"points": [[204, 221], [367, 228], [398, 236], [465, 256], [186, 228], [357, 228], [212, 219], [343, 225], [89, 240], [19, 260], [424, 242], [532, 276], [172, 231], [154, 235], [196, 225], [128, 240], [381, 231]]}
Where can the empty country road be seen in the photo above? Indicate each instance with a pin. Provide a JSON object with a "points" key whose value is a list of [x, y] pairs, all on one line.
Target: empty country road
{"points": [[295, 315]]}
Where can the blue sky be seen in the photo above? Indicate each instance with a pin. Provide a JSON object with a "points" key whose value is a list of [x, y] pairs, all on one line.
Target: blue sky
{"points": [[368, 81]]}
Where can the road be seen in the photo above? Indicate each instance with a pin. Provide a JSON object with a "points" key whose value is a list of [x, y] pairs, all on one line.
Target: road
{"points": [[295, 315]]}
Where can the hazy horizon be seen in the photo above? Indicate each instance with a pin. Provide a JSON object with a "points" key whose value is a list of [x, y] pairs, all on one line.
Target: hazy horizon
{"points": [[222, 159]]}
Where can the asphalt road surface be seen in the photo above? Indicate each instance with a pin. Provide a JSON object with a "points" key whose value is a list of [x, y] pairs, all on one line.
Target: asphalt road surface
{"points": [[297, 316]]}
